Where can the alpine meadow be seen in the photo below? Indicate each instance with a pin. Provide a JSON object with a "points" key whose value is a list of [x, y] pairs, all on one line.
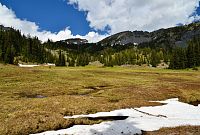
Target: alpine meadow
{"points": [[134, 72]]}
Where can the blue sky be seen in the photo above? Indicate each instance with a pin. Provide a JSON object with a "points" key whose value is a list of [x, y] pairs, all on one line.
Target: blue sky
{"points": [[94, 19], [52, 15]]}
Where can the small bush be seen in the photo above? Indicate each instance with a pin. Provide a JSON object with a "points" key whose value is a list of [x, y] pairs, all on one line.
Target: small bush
{"points": [[195, 69]]}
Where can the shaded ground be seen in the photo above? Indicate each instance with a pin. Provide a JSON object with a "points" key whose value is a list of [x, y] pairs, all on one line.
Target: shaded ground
{"points": [[33, 100]]}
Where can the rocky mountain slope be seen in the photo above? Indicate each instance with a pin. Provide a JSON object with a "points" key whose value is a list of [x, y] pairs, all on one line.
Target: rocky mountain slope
{"points": [[171, 37], [77, 41]]}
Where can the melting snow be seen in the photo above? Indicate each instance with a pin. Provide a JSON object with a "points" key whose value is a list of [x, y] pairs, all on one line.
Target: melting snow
{"points": [[172, 114], [27, 66]]}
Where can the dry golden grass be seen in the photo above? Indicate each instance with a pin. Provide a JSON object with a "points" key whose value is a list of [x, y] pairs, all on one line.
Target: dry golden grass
{"points": [[36, 99], [185, 130]]}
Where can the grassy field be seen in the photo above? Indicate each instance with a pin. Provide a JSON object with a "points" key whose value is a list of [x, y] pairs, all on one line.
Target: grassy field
{"points": [[36, 99]]}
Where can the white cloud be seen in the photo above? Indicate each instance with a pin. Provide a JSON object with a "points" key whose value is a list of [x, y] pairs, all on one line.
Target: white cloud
{"points": [[9, 19], [121, 15]]}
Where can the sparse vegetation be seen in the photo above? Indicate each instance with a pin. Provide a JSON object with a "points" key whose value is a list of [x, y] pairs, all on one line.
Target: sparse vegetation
{"points": [[184, 130], [36, 99]]}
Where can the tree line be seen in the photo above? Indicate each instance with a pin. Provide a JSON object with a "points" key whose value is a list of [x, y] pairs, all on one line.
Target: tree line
{"points": [[188, 57], [15, 47]]}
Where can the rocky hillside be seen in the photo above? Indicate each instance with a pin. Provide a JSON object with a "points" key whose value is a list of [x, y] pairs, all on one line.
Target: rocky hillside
{"points": [[76, 41], [127, 37], [167, 38]]}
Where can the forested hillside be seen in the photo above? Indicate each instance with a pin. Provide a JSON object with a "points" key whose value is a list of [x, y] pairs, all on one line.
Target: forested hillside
{"points": [[15, 48], [186, 57]]}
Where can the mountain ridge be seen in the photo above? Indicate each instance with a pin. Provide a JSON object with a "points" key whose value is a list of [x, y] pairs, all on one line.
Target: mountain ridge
{"points": [[175, 36], [169, 37]]}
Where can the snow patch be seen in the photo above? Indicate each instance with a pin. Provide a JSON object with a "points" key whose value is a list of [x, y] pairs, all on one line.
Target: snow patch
{"points": [[51, 64], [27, 66], [172, 114]]}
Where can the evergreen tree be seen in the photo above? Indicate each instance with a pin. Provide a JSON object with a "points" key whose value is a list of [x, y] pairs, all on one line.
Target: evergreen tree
{"points": [[191, 60], [155, 60], [61, 59]]}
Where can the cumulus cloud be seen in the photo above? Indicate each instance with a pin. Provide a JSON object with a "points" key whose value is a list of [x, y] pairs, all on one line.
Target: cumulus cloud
{"points": [[9, 19], [148, 15]]}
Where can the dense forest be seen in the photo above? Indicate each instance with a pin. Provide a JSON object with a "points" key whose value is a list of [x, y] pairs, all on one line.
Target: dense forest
{"points": [[189, 57], [15, 48]]}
